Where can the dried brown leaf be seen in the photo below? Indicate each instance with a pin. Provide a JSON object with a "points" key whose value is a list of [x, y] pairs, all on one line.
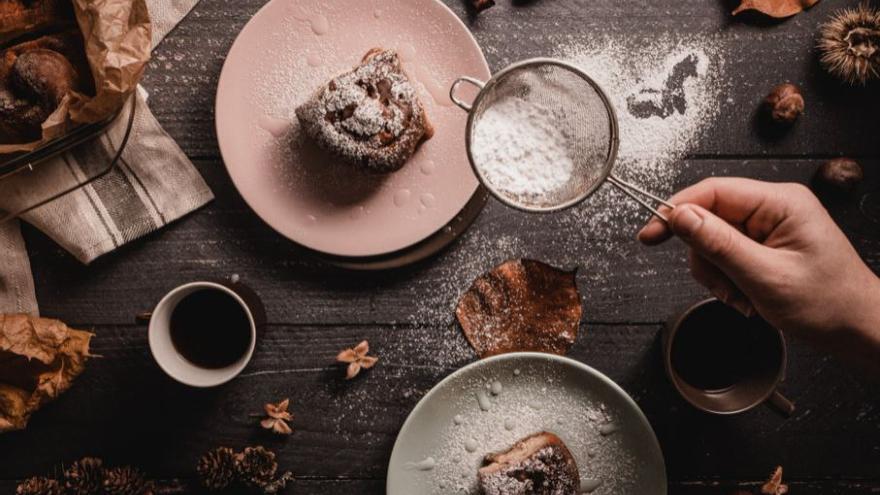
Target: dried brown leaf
{"points": [[521, 305], [39, 359], [775, 8]]}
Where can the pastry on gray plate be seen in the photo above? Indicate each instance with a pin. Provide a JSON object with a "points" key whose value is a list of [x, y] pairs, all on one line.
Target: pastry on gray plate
{"points": [[370, 117], [539, 464]]}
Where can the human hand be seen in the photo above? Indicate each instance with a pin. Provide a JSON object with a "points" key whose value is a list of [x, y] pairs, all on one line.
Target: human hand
{"points": [[773, 248]]}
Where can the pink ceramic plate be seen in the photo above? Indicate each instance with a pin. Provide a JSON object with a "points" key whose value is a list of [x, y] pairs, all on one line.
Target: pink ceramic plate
{"points": [[288, 50]]}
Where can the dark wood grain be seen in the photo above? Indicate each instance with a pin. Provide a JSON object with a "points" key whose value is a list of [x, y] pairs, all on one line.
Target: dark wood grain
{"points": [[125, 409], [621, 281]]}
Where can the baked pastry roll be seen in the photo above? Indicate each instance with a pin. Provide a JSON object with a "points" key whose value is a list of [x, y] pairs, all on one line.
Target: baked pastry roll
{"points": [[35, 76], [370, 117], [539, 464]]}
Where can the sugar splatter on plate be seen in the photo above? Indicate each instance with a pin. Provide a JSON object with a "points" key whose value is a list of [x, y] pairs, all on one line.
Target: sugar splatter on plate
{"points": [[488, 405]]}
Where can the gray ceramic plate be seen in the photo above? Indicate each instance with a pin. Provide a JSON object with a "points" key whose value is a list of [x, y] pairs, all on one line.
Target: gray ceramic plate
{"points": [[488, 405]]}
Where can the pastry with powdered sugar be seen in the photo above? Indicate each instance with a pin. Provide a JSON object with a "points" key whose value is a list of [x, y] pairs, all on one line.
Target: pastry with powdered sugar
{"points": [[539, 464], [370, 117]]}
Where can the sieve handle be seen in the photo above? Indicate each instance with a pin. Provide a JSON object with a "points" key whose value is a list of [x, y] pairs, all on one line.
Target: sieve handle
{"points": [[462, 104], [631, 189]]}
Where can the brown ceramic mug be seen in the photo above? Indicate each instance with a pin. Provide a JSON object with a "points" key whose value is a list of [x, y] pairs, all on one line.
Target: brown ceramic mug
{"points": [[722, 362]]}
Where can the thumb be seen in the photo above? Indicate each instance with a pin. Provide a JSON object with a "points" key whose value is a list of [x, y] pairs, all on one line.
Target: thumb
{"points": [[718, 242]]}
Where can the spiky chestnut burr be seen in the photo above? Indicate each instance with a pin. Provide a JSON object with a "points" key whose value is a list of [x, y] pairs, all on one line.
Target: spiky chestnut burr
{"points": [[850, 44]]}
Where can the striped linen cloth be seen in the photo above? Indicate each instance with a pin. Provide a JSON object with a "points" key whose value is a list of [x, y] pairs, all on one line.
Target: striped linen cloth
{"points": [[153, 185]]}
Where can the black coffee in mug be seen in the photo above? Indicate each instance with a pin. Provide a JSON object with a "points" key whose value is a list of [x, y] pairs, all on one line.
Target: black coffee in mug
{"points": [[210, 328], [716, 347]]}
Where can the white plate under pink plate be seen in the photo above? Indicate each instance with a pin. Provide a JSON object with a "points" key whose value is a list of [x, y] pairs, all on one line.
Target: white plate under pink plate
{"points": [[288, 50]]}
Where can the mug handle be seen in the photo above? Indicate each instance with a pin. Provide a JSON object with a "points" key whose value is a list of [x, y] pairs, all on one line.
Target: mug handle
{"points": [[452, 90], [781, 403]]}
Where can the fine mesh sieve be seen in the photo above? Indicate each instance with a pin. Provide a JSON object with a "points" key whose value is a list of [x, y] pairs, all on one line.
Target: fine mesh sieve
{"points": [[542, 136]]}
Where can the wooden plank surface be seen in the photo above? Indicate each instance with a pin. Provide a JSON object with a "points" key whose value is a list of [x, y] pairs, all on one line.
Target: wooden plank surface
{"points": [[621, 281], [124, 409]]}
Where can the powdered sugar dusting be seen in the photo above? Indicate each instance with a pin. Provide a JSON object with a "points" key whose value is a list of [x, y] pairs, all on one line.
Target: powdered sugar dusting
{"points": [[507, 480], [667, 93], [652, 149], [576, 418], [477, 253], [369, 115], [521, 150]]}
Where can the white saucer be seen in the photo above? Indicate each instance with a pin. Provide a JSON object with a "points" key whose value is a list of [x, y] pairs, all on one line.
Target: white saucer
{"points": [[444, 439]]}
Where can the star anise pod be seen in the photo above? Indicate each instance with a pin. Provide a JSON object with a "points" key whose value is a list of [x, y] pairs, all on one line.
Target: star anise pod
{"points": [[357, 359], [277, 418], [775, 486]]}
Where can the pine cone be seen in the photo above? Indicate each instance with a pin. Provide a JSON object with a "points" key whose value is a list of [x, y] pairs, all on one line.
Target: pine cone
{"points": [[39, 485], [124, 481], [277, 485], [256, 467], [217, 468], [84, 477]]}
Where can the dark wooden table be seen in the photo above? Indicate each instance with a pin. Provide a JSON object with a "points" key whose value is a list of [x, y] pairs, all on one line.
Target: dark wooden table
{"points": [[125, 410]]}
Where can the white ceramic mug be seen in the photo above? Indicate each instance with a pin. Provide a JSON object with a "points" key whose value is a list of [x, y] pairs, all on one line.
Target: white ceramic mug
{"points": [[170, 360]]}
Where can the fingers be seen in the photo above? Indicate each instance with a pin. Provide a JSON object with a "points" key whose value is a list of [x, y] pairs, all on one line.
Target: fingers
{"points": [[655, 231], [719, 243], [734, 199], [719, 285], [731, 198]]}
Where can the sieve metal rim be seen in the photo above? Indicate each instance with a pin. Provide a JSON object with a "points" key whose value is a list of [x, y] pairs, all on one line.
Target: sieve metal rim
{"points": [[498, 76]]}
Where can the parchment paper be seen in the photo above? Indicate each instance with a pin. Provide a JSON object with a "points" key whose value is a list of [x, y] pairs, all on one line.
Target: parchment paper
{"points": [[117, 40]]}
